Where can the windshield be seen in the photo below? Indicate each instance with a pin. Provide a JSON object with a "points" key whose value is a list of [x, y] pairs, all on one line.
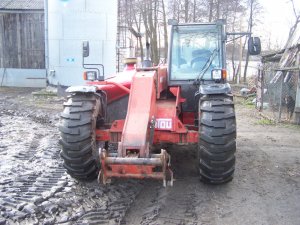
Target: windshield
{"points": [[194, 48]]}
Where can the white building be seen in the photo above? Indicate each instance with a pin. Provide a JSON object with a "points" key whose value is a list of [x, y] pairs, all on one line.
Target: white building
{"points": [[70, 22]]}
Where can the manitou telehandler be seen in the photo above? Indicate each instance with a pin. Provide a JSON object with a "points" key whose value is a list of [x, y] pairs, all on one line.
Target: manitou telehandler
{"points": [[187, 101]]}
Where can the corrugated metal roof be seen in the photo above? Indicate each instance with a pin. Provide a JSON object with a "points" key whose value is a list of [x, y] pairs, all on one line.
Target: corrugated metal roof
{"points": [[21, 4]]}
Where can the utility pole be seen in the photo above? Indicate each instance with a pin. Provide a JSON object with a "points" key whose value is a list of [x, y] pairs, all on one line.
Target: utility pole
{"points": [[241, 54], [297, 102], [250, 31]]}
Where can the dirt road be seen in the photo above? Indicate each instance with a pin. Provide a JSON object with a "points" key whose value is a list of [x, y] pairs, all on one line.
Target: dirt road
{"points": [[34, 188], [265, 189]]}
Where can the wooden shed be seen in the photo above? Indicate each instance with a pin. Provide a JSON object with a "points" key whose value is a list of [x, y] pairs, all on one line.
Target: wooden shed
{"points": [[22, 43]]}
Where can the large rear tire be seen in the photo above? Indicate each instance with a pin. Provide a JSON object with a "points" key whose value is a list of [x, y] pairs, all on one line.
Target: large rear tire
{"points": [[217, 139], [78, 137]]}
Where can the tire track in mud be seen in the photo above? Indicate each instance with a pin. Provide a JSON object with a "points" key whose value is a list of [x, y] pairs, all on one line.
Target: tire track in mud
{"points": [[189, 201], [30, 173], [171, 205], [35, 189], [112, 204]]}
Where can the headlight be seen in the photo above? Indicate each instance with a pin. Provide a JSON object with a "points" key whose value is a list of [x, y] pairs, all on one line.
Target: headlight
{"points": [[90, 75], [218, 74]]}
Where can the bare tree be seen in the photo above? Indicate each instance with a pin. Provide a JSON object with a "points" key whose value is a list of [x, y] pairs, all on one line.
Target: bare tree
{"points": [[186, 11], [150, 16], [164, 15], [211, 8], [138, 24], [250, 31], [295, 25], [233, 28], [255, 9], [149, 10], [194, 10]]}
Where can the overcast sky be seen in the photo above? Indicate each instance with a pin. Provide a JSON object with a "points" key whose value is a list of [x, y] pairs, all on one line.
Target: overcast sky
{"points": [[277, 19]]}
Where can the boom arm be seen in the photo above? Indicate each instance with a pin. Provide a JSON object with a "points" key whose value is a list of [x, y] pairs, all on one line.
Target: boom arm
{"points": [[141, 108], [134, 159]]}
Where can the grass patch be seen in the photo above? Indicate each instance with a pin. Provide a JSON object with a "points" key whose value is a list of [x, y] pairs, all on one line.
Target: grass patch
{"points": [[250, 106], [247, 102], [44, 93], [291, 126], [265, 122]]}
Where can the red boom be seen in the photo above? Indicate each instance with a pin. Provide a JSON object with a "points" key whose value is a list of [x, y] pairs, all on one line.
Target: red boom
{"points": [[151, 119]]}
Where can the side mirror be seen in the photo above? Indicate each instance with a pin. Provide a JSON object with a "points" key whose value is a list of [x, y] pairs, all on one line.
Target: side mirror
{"points": [[254, 46], [85, 49]]}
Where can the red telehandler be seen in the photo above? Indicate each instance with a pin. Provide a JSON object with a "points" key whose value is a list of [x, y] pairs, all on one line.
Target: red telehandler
{"points": [[185, 102]]}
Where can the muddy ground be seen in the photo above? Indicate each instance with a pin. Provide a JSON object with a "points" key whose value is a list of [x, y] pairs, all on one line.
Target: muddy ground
{"points": [[34, 188]]}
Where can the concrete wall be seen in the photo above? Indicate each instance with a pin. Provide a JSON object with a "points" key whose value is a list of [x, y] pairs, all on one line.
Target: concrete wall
{"points": [[22, 77], [70, 22]]}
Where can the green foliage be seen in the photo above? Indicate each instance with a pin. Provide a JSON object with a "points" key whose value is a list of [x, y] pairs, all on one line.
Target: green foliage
{"points": [[265, 122], [247, 102], [291, 126]]}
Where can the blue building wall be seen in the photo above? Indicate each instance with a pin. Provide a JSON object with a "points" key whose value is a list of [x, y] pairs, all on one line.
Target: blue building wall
{"points": [[10, 77]]}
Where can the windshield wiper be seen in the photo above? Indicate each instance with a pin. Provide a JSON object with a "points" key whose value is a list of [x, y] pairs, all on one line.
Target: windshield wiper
{"points": [[206, 66]]}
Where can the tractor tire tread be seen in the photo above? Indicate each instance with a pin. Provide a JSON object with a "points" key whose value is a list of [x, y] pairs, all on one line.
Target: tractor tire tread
{"points": [[217, 135], [77, 129]]}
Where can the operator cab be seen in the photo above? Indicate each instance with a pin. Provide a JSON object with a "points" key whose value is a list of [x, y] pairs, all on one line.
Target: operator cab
{"points": [[196, 50], [197, 60], [196, 56]]}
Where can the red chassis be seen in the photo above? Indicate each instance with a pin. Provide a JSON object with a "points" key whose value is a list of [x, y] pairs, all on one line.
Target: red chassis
{"points": [[151, 119]]}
